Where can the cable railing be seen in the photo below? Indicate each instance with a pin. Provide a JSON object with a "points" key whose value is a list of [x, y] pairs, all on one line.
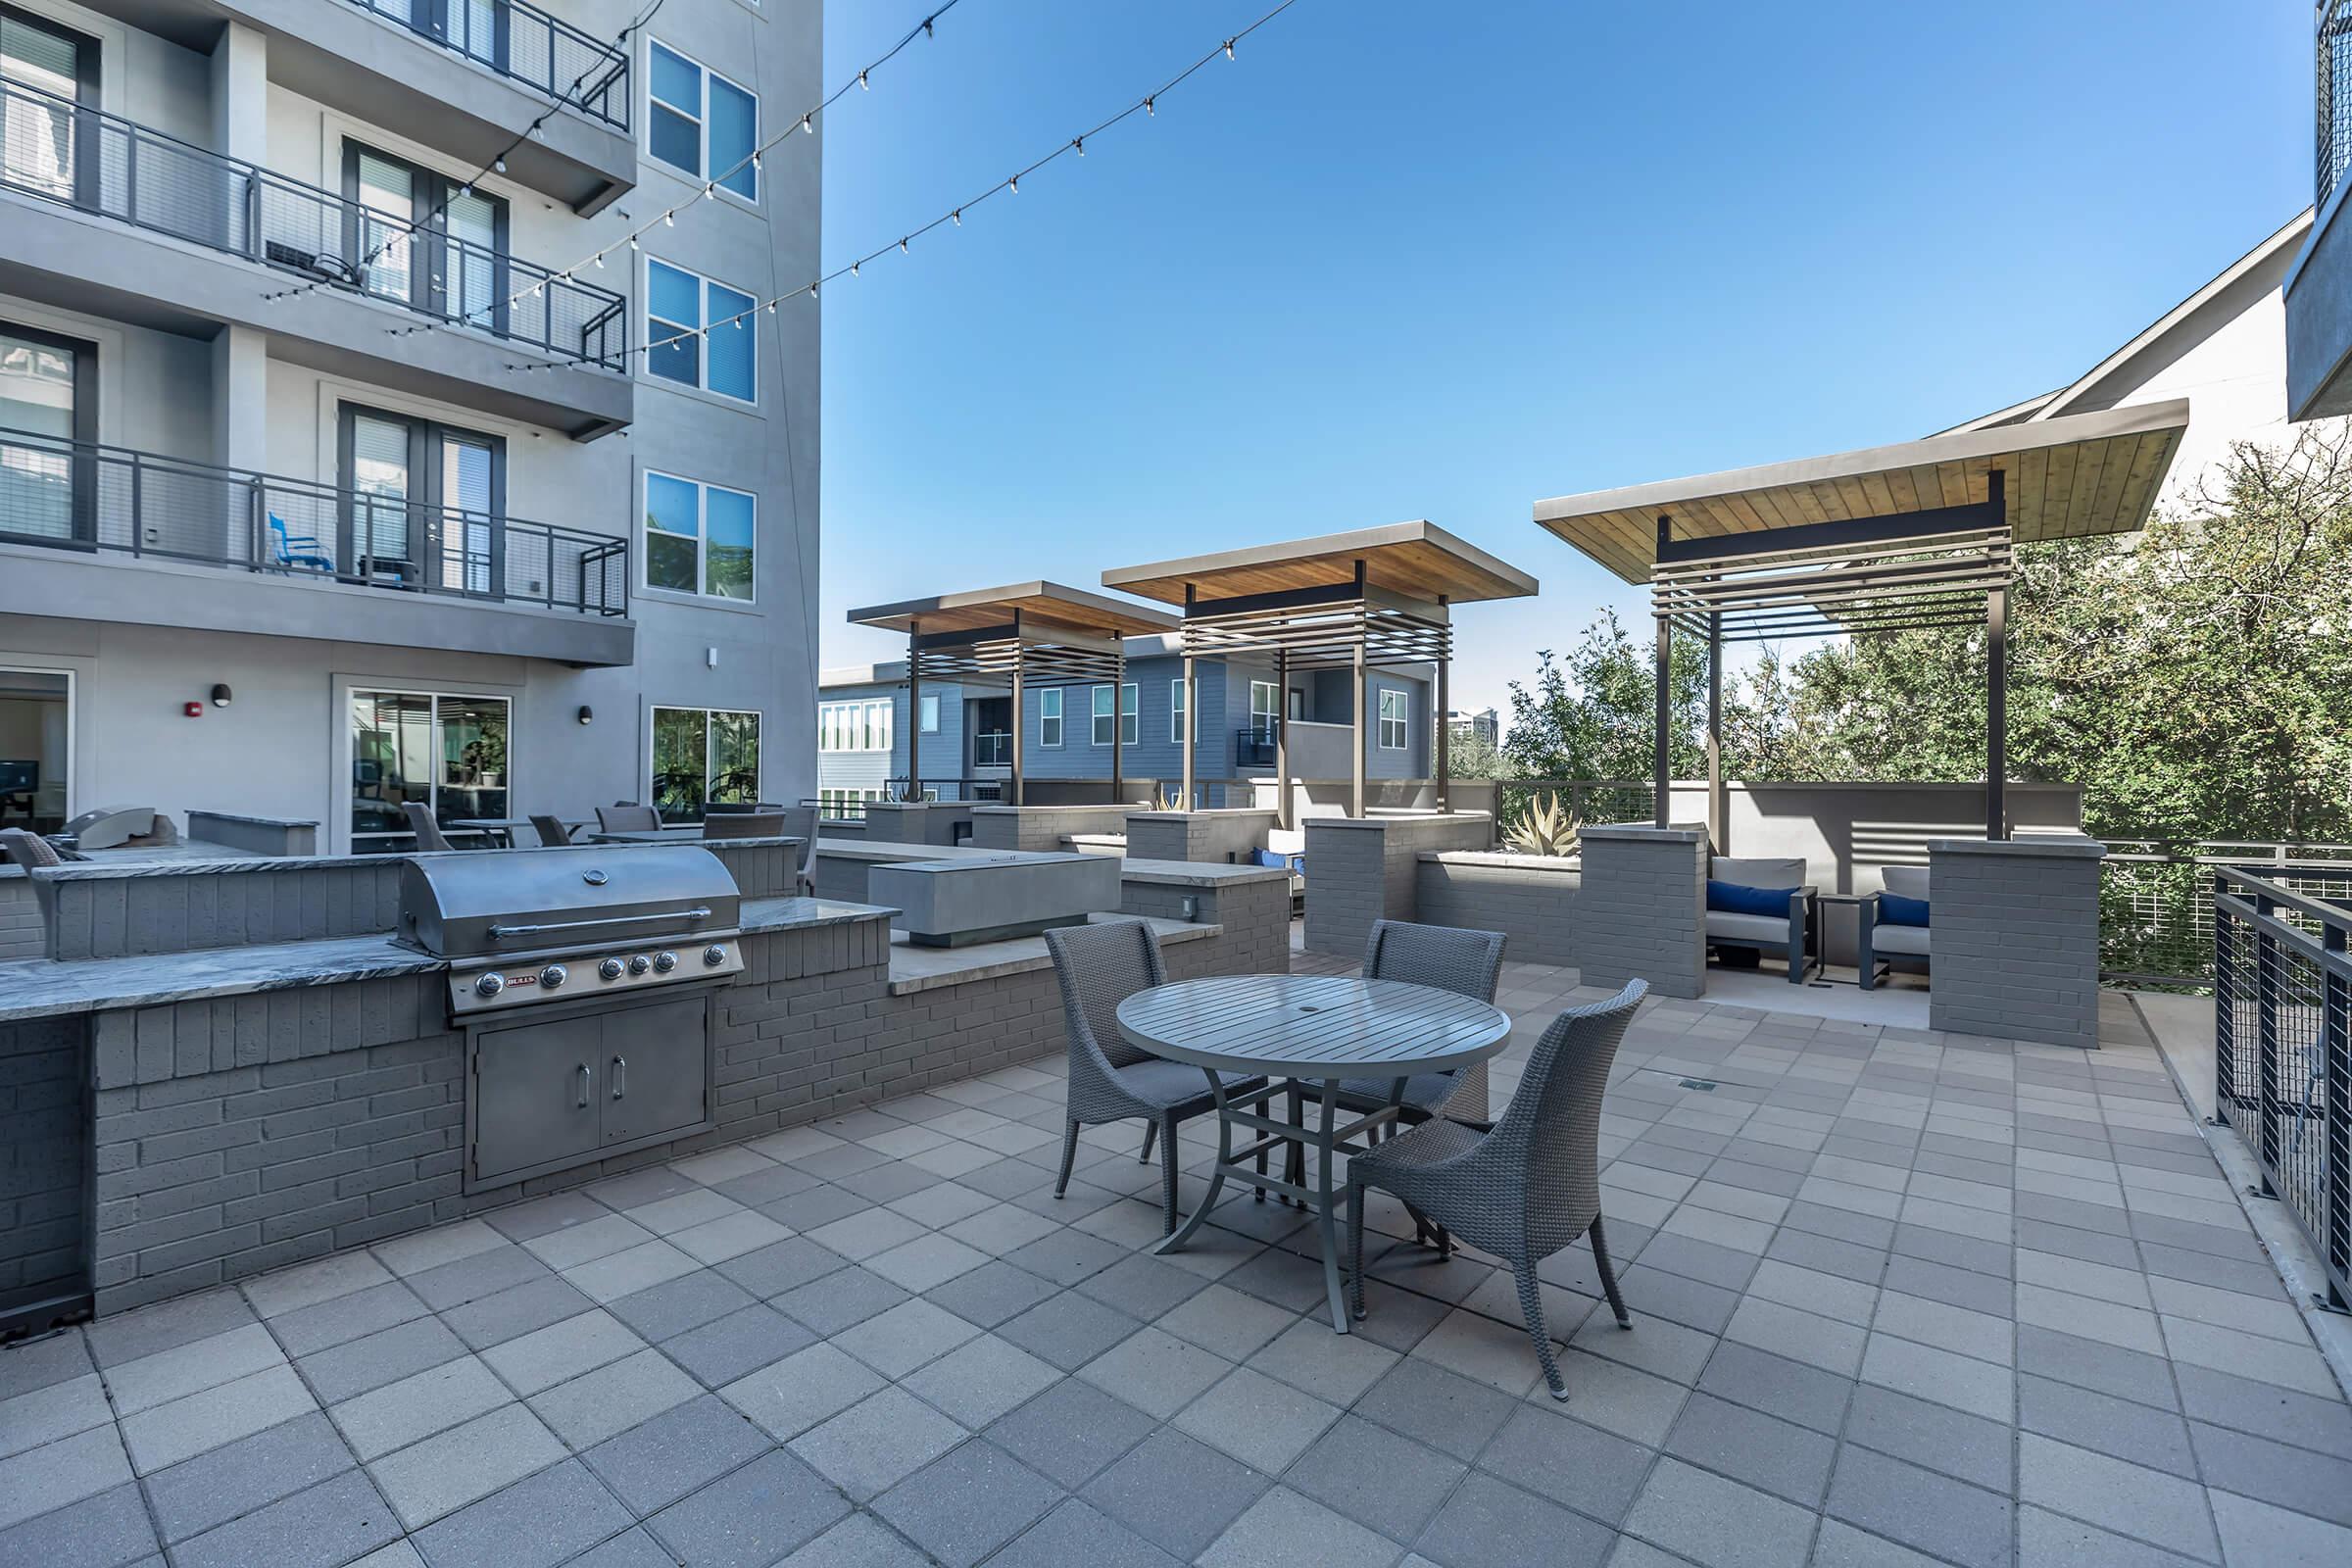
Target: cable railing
{"points": [[81, 495], [524, 44], [55, 149], [2283, 1039], [2332, 76]]}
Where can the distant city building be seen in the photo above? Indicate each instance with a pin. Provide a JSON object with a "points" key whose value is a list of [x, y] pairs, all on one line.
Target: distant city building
{"points": [[1485, 724]]}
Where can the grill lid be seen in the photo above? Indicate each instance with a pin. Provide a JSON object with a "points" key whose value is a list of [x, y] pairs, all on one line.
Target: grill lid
{"points": [[483, 903]]}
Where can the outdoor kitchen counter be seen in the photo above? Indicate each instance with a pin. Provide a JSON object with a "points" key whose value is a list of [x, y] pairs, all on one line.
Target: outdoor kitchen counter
{"points": [[42, 988]]}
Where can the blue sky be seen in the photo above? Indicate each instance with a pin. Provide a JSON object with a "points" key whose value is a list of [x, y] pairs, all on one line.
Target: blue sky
{"points": [[1401, 259]]}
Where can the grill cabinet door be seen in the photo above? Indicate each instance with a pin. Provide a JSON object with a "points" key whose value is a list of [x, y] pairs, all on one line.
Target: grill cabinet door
{"points": [[656, 1068], [538, 1094]]}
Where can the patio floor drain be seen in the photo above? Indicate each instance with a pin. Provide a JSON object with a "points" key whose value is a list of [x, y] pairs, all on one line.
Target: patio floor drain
{"points": [[1698, 1083]]}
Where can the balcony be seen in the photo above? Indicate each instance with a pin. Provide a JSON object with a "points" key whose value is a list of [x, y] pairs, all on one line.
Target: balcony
{"points": [[70, 160], [2319, 286], [468, 80], [993, 749], [281, 557]]}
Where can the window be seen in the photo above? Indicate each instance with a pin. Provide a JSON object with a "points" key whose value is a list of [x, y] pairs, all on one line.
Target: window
{"points": [[1176, 712], [699, 123], [1265, 706], [702, 755], [726, 359], [1130, 731], [36, 747], [445, 753], [41, 146], [930, 713], [47, 402], [698, 538], [1049, 716], [422, 501], [1392, 719], [860, 726], [438, 243]]}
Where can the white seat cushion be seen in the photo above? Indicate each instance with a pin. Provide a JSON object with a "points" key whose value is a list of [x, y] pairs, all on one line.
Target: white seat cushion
{"points": [[1911, 941], [1726, 925]]}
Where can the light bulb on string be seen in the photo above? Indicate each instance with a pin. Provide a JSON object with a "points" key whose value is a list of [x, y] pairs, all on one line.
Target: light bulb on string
{"points": [[499, 163], [1079, 142], [808, 124], [863, 83], [1015, 183], [1229, 48]]}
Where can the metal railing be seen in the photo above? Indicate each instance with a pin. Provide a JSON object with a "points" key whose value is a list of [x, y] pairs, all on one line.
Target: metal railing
{"points": [[57, 150], [1255, 746], [992, 748], [1596, 802], [2156, 901], [2332, 76], [2283, 1046], [81, 495], [522, 43]]}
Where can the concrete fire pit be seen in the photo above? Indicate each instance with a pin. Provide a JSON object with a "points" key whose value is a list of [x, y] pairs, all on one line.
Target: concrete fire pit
{"points": [[953, 903]]}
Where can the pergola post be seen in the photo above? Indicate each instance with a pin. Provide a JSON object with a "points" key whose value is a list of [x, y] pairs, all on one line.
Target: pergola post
{"points": [[1183, 802], [1355, 720], [1018, 726], [1663, 803], [1119, 727], [1996, 685], [1445, 724], [915, 710], [1718, 808], [1281, 738]]}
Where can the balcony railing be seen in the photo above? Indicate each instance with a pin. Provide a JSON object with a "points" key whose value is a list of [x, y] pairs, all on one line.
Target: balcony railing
{"points": [[522, 43], [2282, 1038], [80, 495], [992, 748], [61, 150], [2332, 75], [1254, 747]]}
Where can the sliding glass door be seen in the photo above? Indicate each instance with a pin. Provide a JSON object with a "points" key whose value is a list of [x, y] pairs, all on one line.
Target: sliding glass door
{"points": [[424, 502], [445, 753], [48, 402]]}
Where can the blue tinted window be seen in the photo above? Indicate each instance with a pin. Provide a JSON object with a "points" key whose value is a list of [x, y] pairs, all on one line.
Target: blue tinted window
{"points": [[734, 133], [734, 347]]}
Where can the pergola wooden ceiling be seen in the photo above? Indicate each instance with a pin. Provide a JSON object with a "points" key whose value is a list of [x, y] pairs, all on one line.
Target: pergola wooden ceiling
{"points": [[1016, 636], [1887, 539], [1370, 597]]}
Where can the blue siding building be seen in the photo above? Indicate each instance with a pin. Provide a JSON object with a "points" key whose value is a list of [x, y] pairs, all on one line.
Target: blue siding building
{"points": [[1067, 730]]}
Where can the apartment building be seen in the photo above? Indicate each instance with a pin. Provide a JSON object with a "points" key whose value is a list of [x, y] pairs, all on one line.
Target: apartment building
{"points": [[334, 474], [966, 746]]}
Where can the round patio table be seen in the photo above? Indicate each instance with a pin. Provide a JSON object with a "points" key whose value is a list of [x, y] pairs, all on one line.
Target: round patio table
{"points": [[1314, 1031]]}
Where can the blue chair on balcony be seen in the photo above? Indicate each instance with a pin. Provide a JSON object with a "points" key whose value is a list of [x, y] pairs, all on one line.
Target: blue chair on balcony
{"points": [[302, 550]]}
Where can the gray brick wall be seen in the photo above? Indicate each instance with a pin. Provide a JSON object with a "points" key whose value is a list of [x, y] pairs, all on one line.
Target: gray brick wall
{"points": [[1256, 917], [42, 1153], [22, 932], [760, 870], [1358, 872], [2014, 940], [1531, 902], [1042, 827], [241, 1134], [1213, 837], [115, 916], [1641, 910]]}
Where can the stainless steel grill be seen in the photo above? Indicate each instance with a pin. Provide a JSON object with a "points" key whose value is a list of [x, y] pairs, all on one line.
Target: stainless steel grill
{"points": [[524, 928]]}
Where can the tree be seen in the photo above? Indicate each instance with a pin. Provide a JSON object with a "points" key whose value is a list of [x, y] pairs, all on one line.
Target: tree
{"points": [[1592, 715], [1472, 756]]}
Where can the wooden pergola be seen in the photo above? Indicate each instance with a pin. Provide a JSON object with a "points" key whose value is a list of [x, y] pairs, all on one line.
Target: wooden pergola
{"points": [[1017, 636], [1888, 539], [1344, 600]]}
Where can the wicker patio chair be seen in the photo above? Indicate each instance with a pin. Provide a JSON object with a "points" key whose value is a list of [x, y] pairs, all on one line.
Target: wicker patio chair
{"points": [[627, 819], [28, 849], [1100, 966], [1527, 1187], [420, 822], [800, 821], [553, 834]]}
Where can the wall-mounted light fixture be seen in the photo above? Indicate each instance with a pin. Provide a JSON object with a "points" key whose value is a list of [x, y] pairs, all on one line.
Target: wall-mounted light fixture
{"points": [[220, 695], [587, 714]]}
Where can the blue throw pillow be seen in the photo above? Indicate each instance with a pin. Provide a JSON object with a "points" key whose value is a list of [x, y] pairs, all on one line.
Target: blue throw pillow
{"points": [[1734, 898], [1895, 909]]}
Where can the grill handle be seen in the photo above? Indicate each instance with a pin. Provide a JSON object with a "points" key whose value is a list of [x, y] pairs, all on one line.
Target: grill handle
{"points": [[498, 933]]}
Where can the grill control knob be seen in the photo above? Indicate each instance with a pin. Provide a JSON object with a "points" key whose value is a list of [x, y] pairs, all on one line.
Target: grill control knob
{"points": [[490, 984], [553, 975], [664, 962], [610, 969], [639, 963], [714, 954]]}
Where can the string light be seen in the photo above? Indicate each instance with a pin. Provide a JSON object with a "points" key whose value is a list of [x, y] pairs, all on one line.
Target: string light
{"points": [[953, 216]]}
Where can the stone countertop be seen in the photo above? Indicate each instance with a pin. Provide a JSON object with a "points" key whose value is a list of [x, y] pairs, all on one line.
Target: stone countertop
{"points": [[913, 968], [1198, 873], [1644, 833], [43, 988], [2038, 846], [1504, 858]]}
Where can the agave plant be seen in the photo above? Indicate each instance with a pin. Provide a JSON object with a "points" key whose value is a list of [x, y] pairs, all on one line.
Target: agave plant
{"points": [[1545, 828]]}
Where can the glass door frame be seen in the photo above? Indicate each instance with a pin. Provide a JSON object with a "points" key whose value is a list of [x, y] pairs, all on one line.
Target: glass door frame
{"points": [[429, 510], [87, 154], [429, 265], [357, 842], [72, 680], [83, 463]]}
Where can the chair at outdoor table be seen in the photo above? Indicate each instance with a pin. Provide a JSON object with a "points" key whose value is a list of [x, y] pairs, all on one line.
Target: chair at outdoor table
{"points": [[744, 824], [1524, 1188], [1098, 967], [800, 821], [420, 822], [627, 819], [553, 834], [1450, 959]]}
